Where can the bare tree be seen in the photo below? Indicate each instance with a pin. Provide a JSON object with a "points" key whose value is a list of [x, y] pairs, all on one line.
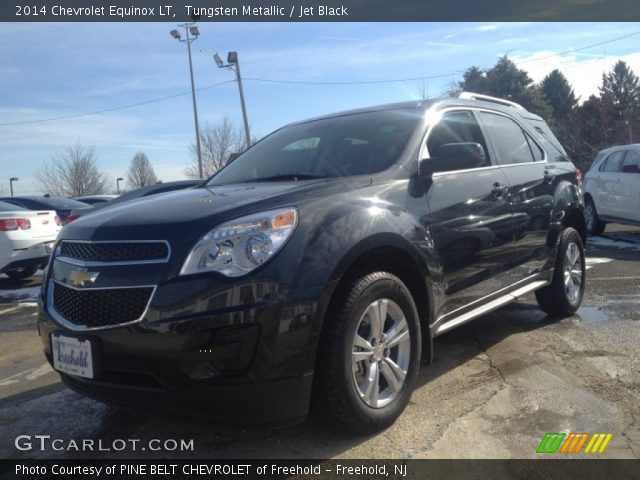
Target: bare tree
{"points": [[217, 141], [140, 173], [72, 173]]}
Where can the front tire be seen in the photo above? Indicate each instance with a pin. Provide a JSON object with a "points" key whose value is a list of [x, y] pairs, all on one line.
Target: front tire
{"points": [[21, 273], [369, 355], [594, 225], [564, 295]]}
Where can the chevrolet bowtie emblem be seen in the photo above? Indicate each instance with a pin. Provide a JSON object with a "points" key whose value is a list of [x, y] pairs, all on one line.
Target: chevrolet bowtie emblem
{"points": [[77, 278]]}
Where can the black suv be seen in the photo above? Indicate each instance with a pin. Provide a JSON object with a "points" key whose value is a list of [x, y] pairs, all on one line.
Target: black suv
{"points": [[318, 266]]}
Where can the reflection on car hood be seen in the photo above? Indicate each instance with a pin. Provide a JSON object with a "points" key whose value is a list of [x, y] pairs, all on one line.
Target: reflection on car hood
{"points": [[181, 214]]}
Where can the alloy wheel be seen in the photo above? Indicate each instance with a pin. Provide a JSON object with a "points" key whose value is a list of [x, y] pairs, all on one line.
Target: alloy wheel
{"points": [[573, 272], [381, 353]]}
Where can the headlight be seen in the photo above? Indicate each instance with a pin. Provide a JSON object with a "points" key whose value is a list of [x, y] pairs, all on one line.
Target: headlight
{"points": [[237, 247]]}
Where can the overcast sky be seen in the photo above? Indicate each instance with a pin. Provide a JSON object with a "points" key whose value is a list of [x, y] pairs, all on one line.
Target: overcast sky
{"points": [[59, 69]]}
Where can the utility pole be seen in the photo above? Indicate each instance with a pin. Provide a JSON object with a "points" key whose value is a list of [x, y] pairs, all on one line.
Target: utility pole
{"points": [[234, 64], [630, 131], [118, 180], [191, 29]]}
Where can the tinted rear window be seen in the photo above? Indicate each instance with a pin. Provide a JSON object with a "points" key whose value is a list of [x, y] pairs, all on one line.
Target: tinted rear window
{"points": [[62, 203], [8, 207]]}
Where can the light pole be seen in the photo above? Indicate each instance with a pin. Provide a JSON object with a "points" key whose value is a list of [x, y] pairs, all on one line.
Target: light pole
{"points": [[191, 32], [118, 180], [11, 180], [234, 64]]}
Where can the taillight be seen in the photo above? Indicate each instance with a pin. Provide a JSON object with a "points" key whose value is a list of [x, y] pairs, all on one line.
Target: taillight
{"points": [[70, 218], [579, 175], [10, 224], [58, 221]]}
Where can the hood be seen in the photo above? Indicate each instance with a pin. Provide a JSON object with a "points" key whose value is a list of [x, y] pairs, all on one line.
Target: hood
{"points": [[185, 215]]}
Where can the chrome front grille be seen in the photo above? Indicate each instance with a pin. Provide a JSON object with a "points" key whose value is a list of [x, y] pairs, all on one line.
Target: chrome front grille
{"points": [[115, 252]]}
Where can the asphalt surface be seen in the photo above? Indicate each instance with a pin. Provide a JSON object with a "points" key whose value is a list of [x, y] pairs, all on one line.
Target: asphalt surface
{"points": [[497, 385]]}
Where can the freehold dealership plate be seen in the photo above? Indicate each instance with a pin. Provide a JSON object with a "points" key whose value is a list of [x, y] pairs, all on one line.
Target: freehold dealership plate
{"points": [[72, 355]]}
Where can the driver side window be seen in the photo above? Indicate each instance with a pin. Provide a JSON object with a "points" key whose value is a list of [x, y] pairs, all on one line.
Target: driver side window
{"points": [[457, 127]]}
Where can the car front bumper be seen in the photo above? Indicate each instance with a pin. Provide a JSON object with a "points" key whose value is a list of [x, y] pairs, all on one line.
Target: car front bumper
{"points": [[244, 364]]}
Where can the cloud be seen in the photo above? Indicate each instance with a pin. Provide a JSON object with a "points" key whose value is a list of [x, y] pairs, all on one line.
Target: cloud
{"points": [[583, 71], [487, 28]]}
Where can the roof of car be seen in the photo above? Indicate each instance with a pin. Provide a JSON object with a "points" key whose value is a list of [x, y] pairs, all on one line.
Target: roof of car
{"points": [[54, 201], [620, 147], [442, 102], [87, 197]]}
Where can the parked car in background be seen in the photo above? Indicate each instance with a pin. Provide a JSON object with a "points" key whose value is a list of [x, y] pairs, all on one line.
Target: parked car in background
{"points": [[26, 239], [95, 199], [318, 266], [612, 188], [62, 206], [139, 193]]}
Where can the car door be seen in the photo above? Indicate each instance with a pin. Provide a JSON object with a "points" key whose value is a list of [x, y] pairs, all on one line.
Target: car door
{"points": [[629, 207], [532, 181], [469, 219], [608, 184]]}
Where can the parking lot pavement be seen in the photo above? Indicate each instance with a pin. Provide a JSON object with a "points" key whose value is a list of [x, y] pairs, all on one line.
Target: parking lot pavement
{"points": [[497, 385]]}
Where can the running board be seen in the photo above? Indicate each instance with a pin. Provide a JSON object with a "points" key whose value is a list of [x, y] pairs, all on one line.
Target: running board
{"points": [[488, 307]]}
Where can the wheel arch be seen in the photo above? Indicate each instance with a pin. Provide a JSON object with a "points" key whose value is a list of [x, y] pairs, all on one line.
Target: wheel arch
{"points": [[394, 255]]}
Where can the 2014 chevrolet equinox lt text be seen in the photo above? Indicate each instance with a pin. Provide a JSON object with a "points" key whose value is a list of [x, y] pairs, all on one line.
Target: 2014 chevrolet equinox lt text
{"points": [[318, 266]]}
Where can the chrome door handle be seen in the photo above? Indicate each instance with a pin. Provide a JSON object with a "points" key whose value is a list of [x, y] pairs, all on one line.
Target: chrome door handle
{"points": [[498, 190]]}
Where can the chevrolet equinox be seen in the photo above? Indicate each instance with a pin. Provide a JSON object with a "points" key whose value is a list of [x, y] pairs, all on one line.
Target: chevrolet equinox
{"points": [[318, 266]]}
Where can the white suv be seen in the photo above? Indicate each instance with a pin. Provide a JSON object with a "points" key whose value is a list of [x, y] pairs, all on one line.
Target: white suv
{"points": [[612, 188]]}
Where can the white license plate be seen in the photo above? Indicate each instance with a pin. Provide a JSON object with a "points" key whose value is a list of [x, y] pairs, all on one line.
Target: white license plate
{"points": [[72, 355], [48, 246]]}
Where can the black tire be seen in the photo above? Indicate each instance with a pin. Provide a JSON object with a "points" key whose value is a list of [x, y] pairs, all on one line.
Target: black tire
{"points": [[337, 397], [594, 225], [21, 273], [556, 299]]}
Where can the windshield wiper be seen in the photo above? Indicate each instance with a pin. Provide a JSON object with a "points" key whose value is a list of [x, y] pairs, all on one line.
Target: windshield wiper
{"points": [[286, 176]]}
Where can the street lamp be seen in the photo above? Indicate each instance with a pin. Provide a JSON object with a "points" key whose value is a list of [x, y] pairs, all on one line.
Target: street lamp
{"points": [[118, 180], [191, 35], [11, 180], [234, 64]]}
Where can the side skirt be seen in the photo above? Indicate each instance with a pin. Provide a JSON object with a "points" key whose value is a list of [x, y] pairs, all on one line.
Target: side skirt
{"points": [[530, 285]]}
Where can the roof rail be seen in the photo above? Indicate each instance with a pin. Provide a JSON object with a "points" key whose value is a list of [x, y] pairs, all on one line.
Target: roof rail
{"points": [[487, 98]]}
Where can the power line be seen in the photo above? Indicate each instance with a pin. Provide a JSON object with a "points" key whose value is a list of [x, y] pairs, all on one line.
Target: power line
{"points": [[303, 82], [106, 110]]}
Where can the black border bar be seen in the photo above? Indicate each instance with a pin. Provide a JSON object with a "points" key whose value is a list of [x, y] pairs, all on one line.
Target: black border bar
{"points": [[543, 468], [318, 10]]}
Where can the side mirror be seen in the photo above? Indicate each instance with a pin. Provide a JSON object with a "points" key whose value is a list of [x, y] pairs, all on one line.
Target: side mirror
{"points": [[633, 168], [453, 156]]}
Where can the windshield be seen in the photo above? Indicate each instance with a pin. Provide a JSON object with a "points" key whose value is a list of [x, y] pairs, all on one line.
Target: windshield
{"points": [[355, 144]]}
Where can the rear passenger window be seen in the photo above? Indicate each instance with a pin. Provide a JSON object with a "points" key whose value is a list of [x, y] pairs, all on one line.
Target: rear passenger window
{"points": [[457, 127], [509, 140], [538, 153], [631, 163], [613, 163]]}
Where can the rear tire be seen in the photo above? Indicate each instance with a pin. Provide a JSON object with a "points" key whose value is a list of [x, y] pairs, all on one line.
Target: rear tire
{"points": [[369, 356], [564, 295], [21, 273], [594, 225]]}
